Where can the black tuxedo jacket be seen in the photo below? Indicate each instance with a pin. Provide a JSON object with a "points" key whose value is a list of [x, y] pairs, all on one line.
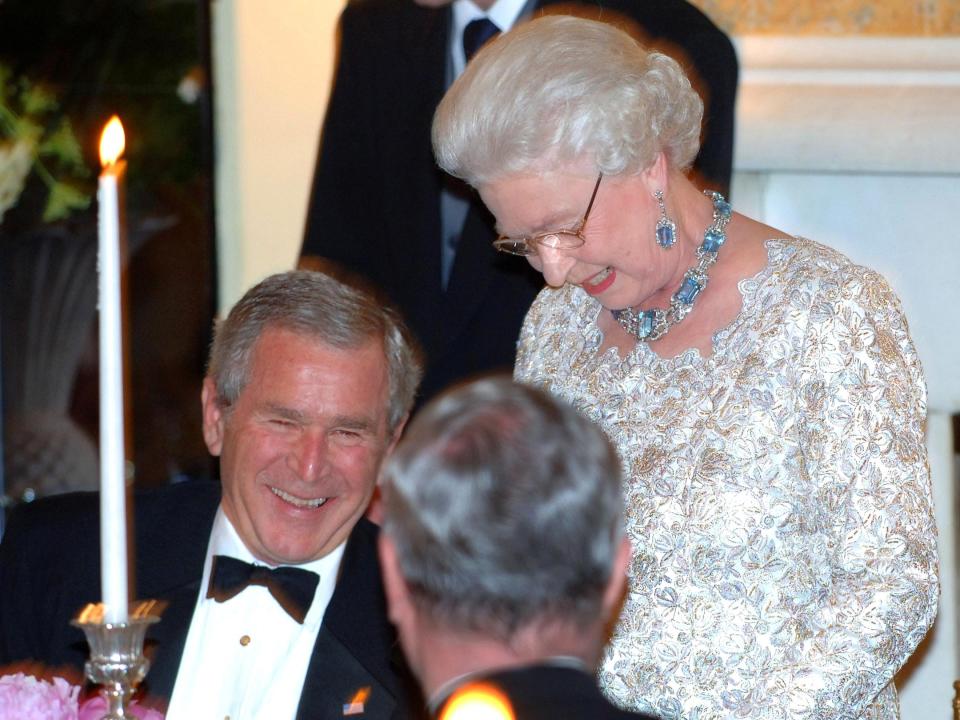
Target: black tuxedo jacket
{"points": [[552, 692], [49, 568], [375, 203]]}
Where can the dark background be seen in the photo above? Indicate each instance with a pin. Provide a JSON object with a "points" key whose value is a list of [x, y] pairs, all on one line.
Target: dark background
{"points": [[101, 57]]}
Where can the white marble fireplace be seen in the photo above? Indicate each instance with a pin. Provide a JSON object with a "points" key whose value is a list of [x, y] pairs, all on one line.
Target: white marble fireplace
{"points": [[856, 142]]}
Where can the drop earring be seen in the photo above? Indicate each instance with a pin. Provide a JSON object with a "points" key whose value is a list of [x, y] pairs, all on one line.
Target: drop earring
{"points": [[666, 231]]}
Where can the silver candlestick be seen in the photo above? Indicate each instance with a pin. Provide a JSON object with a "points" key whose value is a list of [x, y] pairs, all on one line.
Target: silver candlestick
{"points": [[116, 659]]}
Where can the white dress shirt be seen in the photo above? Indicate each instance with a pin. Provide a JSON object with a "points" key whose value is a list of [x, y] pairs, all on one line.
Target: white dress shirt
{"points": [[246, 658]]}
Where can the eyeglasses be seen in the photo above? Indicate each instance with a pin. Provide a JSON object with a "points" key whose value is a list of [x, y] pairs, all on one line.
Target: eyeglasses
{"points": [[556, 239]]}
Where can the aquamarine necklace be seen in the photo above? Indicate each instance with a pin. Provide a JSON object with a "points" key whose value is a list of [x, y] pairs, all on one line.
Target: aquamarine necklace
{"points": [[653, 324]]}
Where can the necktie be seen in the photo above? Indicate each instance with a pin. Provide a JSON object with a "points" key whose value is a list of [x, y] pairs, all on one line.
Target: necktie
{"points": [[293, 588], [476, 33]]}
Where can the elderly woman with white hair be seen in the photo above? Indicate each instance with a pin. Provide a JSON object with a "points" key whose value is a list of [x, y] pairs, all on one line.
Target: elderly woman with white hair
{"points": [[763, 391]]}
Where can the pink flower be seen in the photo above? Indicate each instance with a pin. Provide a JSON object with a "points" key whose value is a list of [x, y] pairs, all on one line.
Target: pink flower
{"points": [[23, 697], [96, 707]]}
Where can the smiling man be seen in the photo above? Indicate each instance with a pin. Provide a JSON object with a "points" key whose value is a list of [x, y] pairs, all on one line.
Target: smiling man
{"points": [[276, 609]]}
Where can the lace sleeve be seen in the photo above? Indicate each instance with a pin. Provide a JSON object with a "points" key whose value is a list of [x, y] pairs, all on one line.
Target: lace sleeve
{"points": [[863, 409]]}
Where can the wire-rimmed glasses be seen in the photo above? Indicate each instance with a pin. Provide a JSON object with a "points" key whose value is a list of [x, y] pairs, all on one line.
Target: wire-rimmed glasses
{"points": [[556, 239]]}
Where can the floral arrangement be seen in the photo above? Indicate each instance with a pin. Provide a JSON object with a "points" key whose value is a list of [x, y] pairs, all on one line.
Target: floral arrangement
{"points": [[24, 697], [35, 136]]}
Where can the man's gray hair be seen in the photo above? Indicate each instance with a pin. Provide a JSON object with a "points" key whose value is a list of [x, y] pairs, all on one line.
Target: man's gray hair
{"points": [[558, 90], [332, 311], [505, 506]]}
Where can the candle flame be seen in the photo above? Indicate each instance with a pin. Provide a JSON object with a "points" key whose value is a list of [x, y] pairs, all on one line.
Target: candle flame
{"points": [[112, 142]]}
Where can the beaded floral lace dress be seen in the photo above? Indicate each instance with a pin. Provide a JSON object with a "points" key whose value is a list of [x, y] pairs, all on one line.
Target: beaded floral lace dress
{"points": [[778, 496]]}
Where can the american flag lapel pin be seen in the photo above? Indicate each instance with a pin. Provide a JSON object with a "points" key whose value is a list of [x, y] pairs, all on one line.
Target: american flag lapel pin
{"points": [[356, 704]]}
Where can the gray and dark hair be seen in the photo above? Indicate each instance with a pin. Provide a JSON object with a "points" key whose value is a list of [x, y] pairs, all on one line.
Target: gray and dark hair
{"points": [[505, 506], [338, 313], [562, 89]]}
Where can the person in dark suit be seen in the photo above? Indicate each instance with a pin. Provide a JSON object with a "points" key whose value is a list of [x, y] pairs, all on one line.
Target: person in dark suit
{"points": [[275, 603], [380, 207], [503, 553]]}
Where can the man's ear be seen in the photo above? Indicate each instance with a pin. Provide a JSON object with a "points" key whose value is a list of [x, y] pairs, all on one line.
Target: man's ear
{"points": [[212, 417], [613, 595], [397, 434], [394, 584], [375, 509]]}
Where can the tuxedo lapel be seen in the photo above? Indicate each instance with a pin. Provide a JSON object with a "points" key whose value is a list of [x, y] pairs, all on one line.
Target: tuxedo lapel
{"points": [[173, 527], [166, 639], [416, 83], [484, 280], [337, 681], [355, 657], [423, 35], [474, 267]]}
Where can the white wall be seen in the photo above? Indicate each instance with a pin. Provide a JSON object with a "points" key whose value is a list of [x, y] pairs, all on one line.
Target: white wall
{"points": [[273, 63]]}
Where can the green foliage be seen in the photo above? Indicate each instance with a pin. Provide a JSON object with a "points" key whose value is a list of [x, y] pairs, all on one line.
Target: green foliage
{"points": [[35, 100], [64, 199], [63, 145], [30, 119]]}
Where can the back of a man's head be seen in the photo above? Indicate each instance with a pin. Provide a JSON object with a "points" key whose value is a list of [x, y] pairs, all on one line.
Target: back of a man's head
{"points": [[504, 507]]}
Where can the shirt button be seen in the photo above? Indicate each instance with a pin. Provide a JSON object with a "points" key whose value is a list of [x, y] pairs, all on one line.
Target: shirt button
{"points": [[244, 640]]}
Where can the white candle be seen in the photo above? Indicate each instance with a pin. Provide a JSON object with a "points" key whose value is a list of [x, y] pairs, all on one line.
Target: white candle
{"points": [[113, 513]]}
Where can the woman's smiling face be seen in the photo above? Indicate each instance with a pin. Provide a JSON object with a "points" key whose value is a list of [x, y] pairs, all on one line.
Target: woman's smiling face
{"points": [[618, 262]]}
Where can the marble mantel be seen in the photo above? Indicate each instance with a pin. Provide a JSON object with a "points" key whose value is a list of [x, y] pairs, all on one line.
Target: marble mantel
{"points": [[854, 142], [857, 104]]}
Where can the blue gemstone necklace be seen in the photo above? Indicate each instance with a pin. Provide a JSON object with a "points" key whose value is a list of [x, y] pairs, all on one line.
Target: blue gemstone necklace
{"points": [[653, 324]]}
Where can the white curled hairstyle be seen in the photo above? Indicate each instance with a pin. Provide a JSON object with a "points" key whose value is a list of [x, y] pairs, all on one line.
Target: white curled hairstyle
{"points": [[559, 89]]}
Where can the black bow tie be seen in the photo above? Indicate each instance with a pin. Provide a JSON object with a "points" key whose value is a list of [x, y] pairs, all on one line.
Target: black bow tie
{"points": [[292, 587]]}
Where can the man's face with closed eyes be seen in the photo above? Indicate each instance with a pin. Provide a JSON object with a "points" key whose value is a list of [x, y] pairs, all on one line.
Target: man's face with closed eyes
{"points": [[300, 449]]}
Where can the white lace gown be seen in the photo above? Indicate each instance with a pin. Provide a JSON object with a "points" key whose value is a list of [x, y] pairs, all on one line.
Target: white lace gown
{"points": [[778, 495]]}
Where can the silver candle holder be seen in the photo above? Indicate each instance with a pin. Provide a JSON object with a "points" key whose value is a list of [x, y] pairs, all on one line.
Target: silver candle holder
{"points": [[116, 661]]}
